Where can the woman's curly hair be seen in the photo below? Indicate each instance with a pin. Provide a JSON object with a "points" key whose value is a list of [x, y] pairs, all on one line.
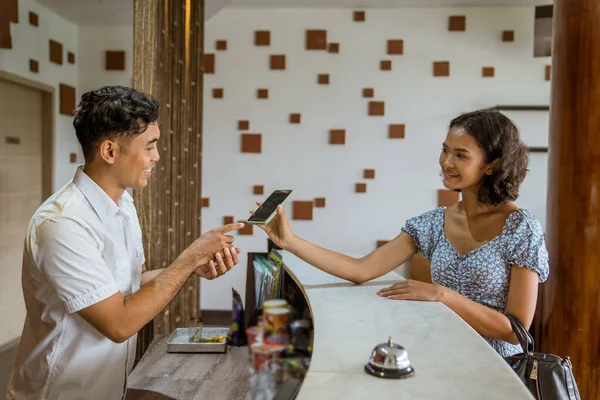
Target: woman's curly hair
{"points": [[499, 139], [112, 111]]}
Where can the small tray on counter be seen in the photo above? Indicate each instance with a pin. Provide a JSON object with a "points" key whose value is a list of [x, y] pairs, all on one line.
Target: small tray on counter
{"points": [[179, 341]]}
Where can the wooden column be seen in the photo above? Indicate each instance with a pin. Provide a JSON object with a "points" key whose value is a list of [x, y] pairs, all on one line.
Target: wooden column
{"points": [[168, 55], [570, 310]]}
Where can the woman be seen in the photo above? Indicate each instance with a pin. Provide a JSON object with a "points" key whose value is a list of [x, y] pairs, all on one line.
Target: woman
{"points": [[487, 255]]}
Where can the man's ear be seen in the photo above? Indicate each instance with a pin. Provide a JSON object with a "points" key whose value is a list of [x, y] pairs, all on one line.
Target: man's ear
{"points": [[108, 150]]}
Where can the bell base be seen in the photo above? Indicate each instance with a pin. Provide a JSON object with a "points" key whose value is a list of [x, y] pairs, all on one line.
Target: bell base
{"points": [[389, 373]]}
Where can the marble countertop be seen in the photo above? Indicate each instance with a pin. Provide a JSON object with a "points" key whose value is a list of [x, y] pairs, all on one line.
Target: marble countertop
{"points": [[450, 359]]}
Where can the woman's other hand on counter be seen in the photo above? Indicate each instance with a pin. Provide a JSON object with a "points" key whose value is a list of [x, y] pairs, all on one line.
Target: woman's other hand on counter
{"points": [[278, 228], [413, 290]]}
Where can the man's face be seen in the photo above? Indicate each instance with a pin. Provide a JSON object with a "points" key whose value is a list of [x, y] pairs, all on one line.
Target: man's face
{"points": [[135, 160]]}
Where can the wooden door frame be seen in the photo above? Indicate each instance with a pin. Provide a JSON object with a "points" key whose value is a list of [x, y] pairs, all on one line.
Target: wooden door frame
{"points": [[48, 93]]}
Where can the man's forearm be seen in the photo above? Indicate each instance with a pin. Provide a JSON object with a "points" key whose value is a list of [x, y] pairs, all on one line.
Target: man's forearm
{"points": [[148, 276]]}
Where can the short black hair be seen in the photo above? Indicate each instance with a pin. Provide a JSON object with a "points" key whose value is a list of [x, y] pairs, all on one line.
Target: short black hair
{"points": [[110, 112], [499, 139]]}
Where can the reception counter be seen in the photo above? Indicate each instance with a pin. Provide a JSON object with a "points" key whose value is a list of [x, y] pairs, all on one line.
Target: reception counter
{"points": [[450, 359]]}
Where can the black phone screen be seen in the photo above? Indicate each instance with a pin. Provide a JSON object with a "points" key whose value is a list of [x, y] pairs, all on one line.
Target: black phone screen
{"points": [[269, 206]]}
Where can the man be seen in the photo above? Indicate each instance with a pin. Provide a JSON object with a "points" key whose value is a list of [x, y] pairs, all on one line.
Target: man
{"points": [[85, 283]]}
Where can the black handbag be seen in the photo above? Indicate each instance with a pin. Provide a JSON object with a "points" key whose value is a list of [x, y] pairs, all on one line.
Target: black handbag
{"points": [[547, 376]]}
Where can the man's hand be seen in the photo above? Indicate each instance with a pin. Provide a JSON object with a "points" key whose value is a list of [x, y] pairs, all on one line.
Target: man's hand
{"points": [[215, 268], [203, 249]]}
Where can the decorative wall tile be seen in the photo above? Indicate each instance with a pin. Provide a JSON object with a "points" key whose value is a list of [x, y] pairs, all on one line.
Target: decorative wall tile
{"points": [[359, 16], [243, 125], [360, 188], [262, 38], [67, 99], [333, 48], [277, 61], [323, 79], [205, 202], [71, 57], [441, 68], [508, 36], [457, 23], [33, 19], [228, 219], [217, 93], [209, 63], [487, 72], [395, 46], [248, 229], [115, 60], [337, 136], [320, 202], [376, 108], [447, 197], [221, 45], [396, 131], [262, 93], [368, 93], [251, 143], [316, 39], [34, 66], [302, 210], [56, 52], [548, 73], [295, 118], [258, 190], [369, 174], [73, 158], [5, 34], [385, 65]]}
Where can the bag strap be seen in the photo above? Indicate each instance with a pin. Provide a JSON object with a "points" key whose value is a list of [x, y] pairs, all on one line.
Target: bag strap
{"points": [[525, 338]]}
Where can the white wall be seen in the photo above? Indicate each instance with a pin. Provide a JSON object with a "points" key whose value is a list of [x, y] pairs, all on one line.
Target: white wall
{"points": [[299, 157], [30, 42]]}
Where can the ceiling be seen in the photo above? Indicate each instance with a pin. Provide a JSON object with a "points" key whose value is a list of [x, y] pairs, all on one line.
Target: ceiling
{"points": [[120, 12]]}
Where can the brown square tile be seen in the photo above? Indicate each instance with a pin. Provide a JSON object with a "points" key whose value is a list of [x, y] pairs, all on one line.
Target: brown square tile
{"points": [[243, 125], [295, 118], [34, 66], [251, 143], [228, 219], [381, 243], [221, 45], [217, 93], [262, 38], [33, 19], [487, 72], [368, 93], [320, 202], [548, 73], [395, 46], [323, 79], [385, 65], [333, 47], [209, 63], [457, 23], [360, 188], [258, 190], [67, 99], [508, 36], [316, 39], [115, 60], [369, 174], [56, 52], [337, 136], [302, 210], [262, 93], [376, 108], [359, 16], [441, 68], [73, 158], [205, 202], [396, 131], [447, 197], [71, 57], [277, 61], [248, 229]]}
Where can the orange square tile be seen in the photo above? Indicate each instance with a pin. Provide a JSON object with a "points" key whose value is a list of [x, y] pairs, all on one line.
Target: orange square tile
{"points": [[395, 46], [359, 16], [217, 93], [262, 93], [548, 73], [248, 229], [277, 62], [316, 39], [368, 93], [302, 210], [337, 136], [262, 38], [376, 108], [333, 48], [487, 72], [396, 131], [205, 202], [251, 142], [209, 63], [228, 219], [441, 68], [360, 188], [457, 23], [320, 202], [369, 174], [243, 125], [221, 45], [508, 36], [323, 79], [258, 189], [295, 118], [385, 65]]}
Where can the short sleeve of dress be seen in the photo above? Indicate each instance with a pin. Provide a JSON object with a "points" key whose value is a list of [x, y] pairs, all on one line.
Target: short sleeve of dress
{"points": [[526, 244], [425, 230]]}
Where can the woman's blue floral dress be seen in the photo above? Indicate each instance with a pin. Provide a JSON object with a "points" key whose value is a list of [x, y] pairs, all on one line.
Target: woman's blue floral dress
{"points": [[483, 274]]}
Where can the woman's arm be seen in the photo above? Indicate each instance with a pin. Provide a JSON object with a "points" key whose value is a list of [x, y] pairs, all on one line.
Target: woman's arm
{"points": [[521, 302], [377, 263]]}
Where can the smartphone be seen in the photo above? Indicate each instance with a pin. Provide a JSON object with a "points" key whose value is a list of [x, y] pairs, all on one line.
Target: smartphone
{"points": [[268, 209]]}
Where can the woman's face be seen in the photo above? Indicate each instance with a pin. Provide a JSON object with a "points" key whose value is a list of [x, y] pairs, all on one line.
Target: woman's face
{"points": [[462, 160]]}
